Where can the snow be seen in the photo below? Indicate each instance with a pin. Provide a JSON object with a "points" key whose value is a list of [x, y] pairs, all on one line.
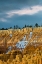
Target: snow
{"points": [[22, 44]]}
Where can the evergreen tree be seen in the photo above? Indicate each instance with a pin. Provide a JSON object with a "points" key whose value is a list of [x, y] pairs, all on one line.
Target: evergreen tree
{"points": [[14, 27], [36, 25], [25, 26]]}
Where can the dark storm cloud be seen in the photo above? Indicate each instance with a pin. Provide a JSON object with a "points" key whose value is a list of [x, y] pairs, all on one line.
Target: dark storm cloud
{"points": [[8, 6], [16, 4]]}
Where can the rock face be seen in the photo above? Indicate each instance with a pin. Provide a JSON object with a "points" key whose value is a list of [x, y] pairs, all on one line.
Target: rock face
{"points": [[33, 36], [2, 49], [30, 41]]}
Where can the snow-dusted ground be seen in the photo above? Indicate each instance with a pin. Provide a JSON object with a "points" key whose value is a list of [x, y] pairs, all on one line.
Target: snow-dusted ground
{"points": [[21, 44], [9, 49]]}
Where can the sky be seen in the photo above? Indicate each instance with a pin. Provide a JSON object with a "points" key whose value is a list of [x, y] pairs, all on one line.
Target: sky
{"points": [[20, 12]]}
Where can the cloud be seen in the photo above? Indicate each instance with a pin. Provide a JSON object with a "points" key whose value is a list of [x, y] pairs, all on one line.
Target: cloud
{"points": [[3, 20], [6, 5], [26, 11]]}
